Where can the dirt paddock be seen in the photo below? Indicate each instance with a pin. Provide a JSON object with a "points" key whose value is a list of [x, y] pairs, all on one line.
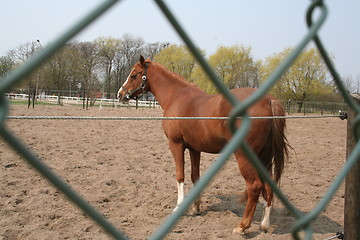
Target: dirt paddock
{"points": [[125, 170]]}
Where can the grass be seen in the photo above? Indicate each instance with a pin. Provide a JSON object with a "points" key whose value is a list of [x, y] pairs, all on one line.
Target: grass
{"points": [[25, 102], [42, 103]]}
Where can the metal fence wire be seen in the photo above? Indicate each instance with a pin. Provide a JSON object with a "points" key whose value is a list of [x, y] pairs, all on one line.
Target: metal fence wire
{"points": [[303, 221]]}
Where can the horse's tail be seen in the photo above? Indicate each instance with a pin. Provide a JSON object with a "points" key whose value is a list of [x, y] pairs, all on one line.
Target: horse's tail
{"points": [[276, 150]]}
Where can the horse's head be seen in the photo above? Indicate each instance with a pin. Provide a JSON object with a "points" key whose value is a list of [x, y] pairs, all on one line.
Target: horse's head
{"points": [[136, 83]]}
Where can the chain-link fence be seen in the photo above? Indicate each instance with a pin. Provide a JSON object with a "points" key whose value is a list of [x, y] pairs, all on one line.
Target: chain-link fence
{"points": [[303, 221]]}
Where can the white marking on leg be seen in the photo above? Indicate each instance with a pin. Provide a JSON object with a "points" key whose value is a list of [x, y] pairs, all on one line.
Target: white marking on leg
{"points": [[180, 193], [180, 187], [239, 230], [265, 224]]}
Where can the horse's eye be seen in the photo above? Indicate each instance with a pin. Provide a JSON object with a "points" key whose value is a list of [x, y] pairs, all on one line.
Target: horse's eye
{"points": [[133, 76]]}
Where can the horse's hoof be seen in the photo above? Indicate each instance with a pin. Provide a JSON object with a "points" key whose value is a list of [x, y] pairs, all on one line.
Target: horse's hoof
{"points": [[239, 230], [196, 211], [264, 227]]}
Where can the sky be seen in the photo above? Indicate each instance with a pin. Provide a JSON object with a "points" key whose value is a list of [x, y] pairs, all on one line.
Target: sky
{"points": [[267, 27]]}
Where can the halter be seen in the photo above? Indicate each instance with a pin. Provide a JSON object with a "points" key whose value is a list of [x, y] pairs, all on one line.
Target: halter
{"points": [[141, 87]]}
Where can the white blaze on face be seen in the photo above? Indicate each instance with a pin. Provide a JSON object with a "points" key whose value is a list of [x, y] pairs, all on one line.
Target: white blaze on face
{"points": [[126, 81]]}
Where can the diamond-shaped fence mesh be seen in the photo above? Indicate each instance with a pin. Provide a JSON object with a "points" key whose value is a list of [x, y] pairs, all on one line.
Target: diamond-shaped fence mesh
{"points": [[303, 221]]}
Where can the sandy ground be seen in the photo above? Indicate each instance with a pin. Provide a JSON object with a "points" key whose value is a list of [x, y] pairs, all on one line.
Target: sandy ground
{"points": [[126, 171]]}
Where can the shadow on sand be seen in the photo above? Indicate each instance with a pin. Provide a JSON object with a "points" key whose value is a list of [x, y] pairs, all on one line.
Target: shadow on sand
{"points": [[281, 219]]}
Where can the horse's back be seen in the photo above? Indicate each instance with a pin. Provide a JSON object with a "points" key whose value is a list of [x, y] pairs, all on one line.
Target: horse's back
{"points": [[223, 108], [211, 135], [262, 108]]}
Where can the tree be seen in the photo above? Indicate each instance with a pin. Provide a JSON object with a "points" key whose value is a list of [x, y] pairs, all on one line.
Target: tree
{"points": [[176, 58], [81, 65], [85, 70], [305, 79], [349, 84], [19, 56], [129, 50], [6, 64], [152, 49], [118, 56], [108, 47], [235, 67], [61, 68]]}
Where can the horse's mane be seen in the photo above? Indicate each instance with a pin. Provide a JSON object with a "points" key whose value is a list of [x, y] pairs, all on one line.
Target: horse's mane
{"points": [[177, 76]]}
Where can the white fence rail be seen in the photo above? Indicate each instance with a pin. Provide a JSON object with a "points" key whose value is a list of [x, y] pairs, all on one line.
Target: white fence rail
{"points": [[79, 100]]}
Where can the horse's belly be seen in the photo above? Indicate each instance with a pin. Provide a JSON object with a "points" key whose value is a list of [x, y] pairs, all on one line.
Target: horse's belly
{"points": [[205, 144]]}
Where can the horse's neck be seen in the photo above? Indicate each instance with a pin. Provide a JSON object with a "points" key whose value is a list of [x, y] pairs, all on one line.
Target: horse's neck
{"points": [[165, 83]]}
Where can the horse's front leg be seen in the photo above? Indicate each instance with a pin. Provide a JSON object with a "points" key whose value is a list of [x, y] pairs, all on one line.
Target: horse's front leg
{"points": [[195, 174], [177, 150]]}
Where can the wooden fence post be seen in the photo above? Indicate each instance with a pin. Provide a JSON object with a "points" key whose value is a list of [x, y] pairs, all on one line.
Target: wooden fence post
{"points": [[352, 186]]}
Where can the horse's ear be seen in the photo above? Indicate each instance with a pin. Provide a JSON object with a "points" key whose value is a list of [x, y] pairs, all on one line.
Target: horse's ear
{"points": [[142, 60]]}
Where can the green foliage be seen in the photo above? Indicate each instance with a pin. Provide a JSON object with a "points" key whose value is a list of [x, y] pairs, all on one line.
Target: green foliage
{"points": [[101, 66], [234, 65], [305, 79], [176, 58]]}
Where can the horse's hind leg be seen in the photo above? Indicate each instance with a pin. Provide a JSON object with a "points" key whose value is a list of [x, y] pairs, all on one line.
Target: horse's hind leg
{"points": [[254, 187], [195, 174], [268, 196]]}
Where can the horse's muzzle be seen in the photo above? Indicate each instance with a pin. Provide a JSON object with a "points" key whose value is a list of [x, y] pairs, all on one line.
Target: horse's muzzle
{"points": [[119, 97], [124, 98]]}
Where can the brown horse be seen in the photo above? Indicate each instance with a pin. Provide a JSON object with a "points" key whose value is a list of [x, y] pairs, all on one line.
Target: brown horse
{"points": [[179, 98]]}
